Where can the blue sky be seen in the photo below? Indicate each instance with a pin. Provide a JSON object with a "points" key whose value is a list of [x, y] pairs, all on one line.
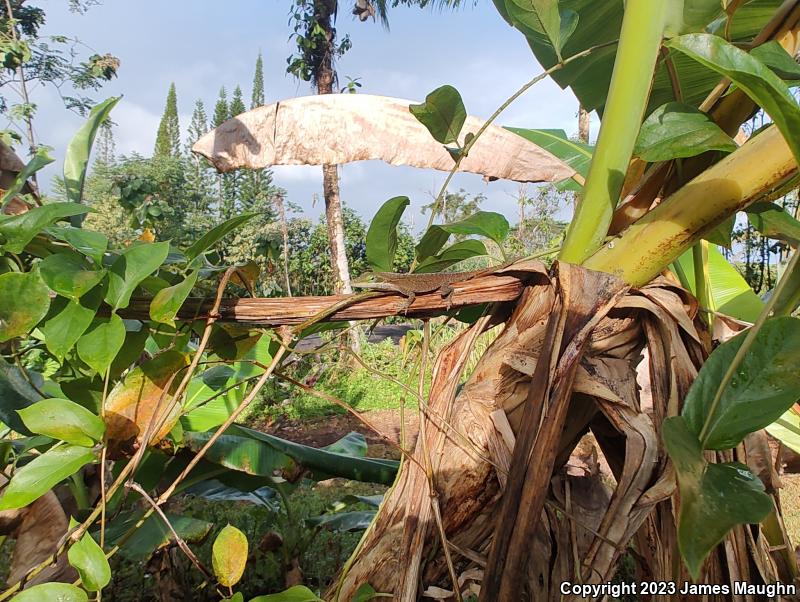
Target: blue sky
{"points": [[201, 45]]}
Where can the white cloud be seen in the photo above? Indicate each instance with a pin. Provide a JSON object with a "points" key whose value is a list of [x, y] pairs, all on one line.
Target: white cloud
{"points": [[136, 128]]}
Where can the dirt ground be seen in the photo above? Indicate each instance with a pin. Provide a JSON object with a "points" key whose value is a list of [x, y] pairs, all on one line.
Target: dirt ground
{"points": [[319, 432]]}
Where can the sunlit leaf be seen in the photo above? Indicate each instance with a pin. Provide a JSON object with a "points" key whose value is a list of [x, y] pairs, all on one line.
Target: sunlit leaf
{"points": [[442, 113], [786, 429], [730, 291], [774, 56], [451, 255], [68, 274], [90, 561], [130, 268], [297, 593], [69, 319], [381, 238], [60, 592], [766, 384], [677, 130], [773, 221], [90, 243], [147, 388], [43, 473], [713, 497], [101, 343], [752, 76], [24, 301], [65, 420], [213, 236], [229, 556], [481, 223], [168, 301], [575, 154], [686, 16], [76, 160], [16, 231]]}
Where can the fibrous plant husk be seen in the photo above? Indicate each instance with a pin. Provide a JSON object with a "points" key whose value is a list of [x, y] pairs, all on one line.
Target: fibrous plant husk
{"points": [[38, 529], [333, 129], [565, 364]]}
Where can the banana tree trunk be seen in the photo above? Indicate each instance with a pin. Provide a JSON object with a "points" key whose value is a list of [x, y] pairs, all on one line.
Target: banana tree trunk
{"points": [[566, 364]]}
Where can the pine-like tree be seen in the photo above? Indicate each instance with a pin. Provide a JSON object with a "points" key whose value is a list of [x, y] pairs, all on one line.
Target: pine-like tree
{"points": [[258, 98], [105, 147], [221, 108], [198, 126], [220, 116], [232, 182], [198, 178], [168, 140], [237, 103], [257, 190]]}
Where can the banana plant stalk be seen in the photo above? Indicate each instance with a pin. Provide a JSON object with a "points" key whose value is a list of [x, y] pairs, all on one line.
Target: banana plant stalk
{"points": [[701, 281], [639, 44]]}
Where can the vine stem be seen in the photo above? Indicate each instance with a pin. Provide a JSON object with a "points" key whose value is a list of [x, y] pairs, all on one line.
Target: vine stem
{"points": [[745, 347], [469, 144]]}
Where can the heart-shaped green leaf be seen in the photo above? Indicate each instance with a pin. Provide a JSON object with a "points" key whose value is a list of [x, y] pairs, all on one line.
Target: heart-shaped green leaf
{"points": [[68, 274], [442, 113], [481, 223], [129, 269], [714, 497], [751, 75], [62, 592], [167, 302], [90, 561], [90, 243], [100, 345], [382, 234], [24, 301], [676, 130], [65, 420], [451, 255], [69, 319], [766, 384]]}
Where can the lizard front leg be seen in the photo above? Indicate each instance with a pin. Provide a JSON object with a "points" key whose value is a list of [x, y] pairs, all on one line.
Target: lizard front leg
{"points": [[446, 291], [410, 297]]}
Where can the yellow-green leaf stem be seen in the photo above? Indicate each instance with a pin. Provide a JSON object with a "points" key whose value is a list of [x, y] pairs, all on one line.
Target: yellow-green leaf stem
{"points": [[702, 280], [639, 44], [663, 234]]}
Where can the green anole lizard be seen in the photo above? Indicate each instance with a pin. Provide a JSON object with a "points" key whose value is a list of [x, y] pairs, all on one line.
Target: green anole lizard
{"points": [[408, 285]]}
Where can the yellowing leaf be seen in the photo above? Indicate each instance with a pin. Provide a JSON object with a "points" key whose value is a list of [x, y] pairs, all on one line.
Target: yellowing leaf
{"points": [[229, 556], [132, 403]]}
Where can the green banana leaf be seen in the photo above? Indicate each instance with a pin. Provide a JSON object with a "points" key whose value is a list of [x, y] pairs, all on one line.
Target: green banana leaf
{"points": [[600, 22]]}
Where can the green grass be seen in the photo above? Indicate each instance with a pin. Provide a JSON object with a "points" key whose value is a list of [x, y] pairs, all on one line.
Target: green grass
{"points": [[346, 380]]}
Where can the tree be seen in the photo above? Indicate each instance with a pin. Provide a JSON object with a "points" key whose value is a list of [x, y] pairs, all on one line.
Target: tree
{"points": [[258, 97], [52, 60], [221, 114], [199, 176], [168, 139], [106, 153]]}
